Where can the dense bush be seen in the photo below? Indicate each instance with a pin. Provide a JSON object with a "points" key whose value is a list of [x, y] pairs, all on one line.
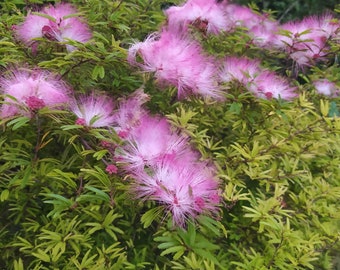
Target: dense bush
{"points": [[120, 151]]}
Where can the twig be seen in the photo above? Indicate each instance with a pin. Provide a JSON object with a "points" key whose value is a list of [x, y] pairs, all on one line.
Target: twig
{"points": [[287, 10]]}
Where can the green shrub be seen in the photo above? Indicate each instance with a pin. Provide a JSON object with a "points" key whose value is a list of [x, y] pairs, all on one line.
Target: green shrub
{"points": [[277, 160]]}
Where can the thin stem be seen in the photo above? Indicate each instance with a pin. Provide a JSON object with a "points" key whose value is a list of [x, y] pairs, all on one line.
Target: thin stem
{"points": [[287, 10]]}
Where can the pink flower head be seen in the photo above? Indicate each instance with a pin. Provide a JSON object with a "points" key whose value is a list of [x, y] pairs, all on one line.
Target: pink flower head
{"points": [[263, 83], [208, 15], [263, 34], [27, 91], [259, 26], [269, 85], [129, 113], [93, 111], [111, 169], [240, 69], [150, 142], [326, 87], [186, 189], [306, 41], [54, 23], [177, 60]]}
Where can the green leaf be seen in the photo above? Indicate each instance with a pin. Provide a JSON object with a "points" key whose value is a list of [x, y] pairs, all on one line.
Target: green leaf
{"points": [[149, 216], [18, 122], [4, 195], [176, 249], [98, 71], [41, 255], [333, 109]]}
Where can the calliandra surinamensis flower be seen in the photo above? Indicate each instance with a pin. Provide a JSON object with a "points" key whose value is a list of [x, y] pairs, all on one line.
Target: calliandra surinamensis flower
{"points": [[269, 85], [93, 111], [326, 87], [260, 27], [129, 113], [207, 15], [186, 189], [54, 23], [261, 82], [150, 142], [164, 166], [26, 91], [177, 60], [306, 41]]}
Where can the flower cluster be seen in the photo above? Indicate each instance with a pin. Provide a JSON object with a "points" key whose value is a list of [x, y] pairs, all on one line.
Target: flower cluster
{"points": [[304, 41], [262, 82], [56, 23], [165, 167], [177, 59]]}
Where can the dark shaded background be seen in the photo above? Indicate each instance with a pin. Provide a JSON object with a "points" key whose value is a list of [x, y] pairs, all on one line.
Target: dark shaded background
{"points": [[286, 10]]}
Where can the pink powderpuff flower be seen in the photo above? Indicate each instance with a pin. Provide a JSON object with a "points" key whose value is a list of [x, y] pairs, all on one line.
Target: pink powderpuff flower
{"points": [[263, 34], [93, 111], [150, 142], [179, 61], [54, 23], [186, 189], [207, 15], [26, 91], [326, 87], [269, 85], [306, 41], [240, 69], [261, 82], [129, 113], [111, 169], [259, 26]]}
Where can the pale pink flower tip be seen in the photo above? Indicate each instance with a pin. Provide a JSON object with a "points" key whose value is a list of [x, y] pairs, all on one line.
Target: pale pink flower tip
{"points": [[59, 28], [93, 111], [327, 88], [27, 91]]}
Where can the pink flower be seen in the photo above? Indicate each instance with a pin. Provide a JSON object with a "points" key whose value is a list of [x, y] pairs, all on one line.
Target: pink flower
{"points": [[129, 113], [268, 85], [208, 15], [54, 23], [186, 189], [261, 82], [326, 87], [150, 142], [27, 91], [179, 61], [259, 26], [111, 169], [240, 69], [93, 111], [306, 41]]}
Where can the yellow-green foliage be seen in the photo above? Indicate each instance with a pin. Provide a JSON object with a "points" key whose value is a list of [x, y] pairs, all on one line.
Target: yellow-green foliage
{"points": [[278, 161]]}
